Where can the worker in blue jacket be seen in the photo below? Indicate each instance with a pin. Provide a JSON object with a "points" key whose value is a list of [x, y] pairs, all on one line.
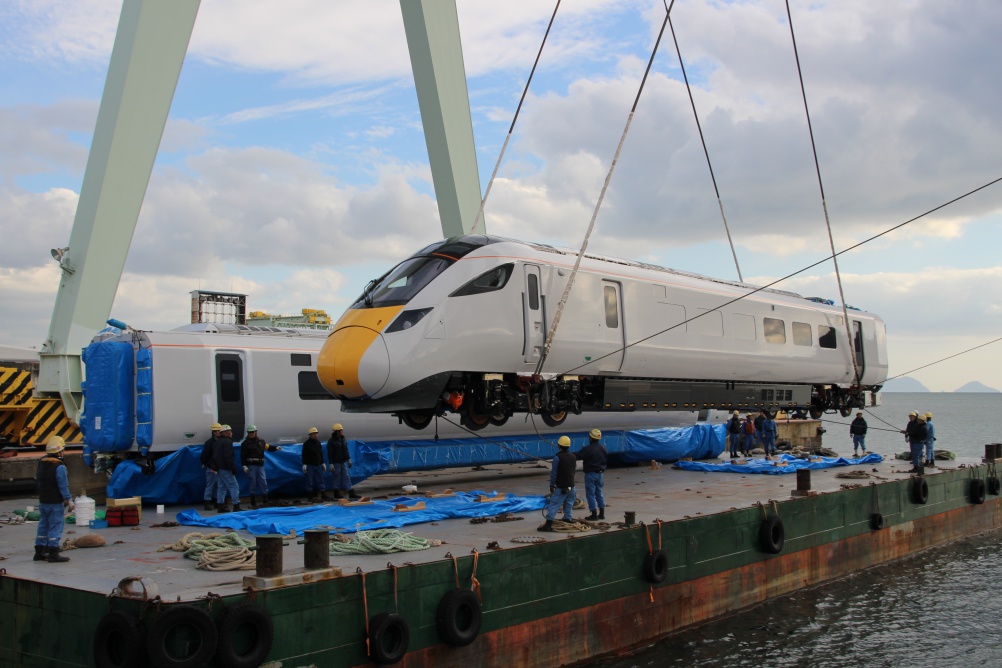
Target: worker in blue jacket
{"points": [[53, 498], [769, 435], [930, 452], [595, 460], [561, 484], [225, 463], [211, 477]]}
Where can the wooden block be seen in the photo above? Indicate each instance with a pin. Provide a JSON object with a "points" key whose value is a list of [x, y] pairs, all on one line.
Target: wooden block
{"points": [[136, 501], [364, 501], [483, 498], [439, 495], [404, 508]]}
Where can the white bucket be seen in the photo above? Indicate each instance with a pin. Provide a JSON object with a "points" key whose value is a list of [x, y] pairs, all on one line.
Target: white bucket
{"points": [[85, 508]]}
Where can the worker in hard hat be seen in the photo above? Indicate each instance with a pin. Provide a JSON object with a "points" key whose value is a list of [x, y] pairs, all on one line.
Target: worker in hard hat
{"points": [[915, 431], [53, 499], [734, 433], [930, 439], [314, 467], [252, 451], [211, 477], [340, 461], [857, 429], [595, 459], [225, 463], [562, 493], [769, 434]]}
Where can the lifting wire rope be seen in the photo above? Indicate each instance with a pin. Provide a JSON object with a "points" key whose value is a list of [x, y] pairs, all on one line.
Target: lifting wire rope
{"points": [[601, 197], [692, 102], [795, 273], [479, 218], [824, 205]]}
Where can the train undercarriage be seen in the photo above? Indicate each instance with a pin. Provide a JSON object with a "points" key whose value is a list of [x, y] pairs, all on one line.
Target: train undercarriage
{"points": [[483, 399]]}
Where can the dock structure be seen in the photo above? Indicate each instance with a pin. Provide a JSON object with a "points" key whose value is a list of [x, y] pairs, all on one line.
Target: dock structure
{"points": [[703, 545]]}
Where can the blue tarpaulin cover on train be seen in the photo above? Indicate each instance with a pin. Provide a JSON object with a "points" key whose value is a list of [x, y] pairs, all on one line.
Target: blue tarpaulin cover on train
{"points": [[144, 397], [179, 477], [108, 420], [378, 515], [789, 464]]}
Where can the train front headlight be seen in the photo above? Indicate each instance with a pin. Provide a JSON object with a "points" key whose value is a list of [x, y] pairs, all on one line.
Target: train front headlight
{"points": [[407, 319]]}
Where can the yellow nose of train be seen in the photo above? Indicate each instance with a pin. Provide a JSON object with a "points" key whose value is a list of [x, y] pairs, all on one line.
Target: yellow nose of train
{"points": [[354, 362]]}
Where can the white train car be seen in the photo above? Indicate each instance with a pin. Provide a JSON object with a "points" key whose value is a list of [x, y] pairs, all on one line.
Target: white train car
{"points": [[461, 325], [154, 392]]}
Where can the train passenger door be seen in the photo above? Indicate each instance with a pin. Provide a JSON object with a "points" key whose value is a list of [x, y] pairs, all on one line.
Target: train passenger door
{"points": [[230, 392], [857, 346], [612, 332], [532, 309]]}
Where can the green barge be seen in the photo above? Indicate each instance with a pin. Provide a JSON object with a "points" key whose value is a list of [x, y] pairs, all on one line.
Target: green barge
{"points": [[704, 545]]}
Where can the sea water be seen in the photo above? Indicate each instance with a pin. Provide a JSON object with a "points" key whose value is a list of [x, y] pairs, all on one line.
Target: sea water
{"points": [[940, 608]]}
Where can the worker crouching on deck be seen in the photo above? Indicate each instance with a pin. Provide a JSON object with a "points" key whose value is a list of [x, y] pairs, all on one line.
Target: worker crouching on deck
{"points": [[53, 498], [561, 484], [313, 465], [595, 460], [252, 458]]}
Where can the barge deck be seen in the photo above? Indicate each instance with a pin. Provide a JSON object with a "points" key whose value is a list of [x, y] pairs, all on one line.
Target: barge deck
{"points": [[570, 599]]}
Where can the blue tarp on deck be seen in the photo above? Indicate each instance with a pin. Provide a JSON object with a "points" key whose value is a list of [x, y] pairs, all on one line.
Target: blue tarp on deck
{"points": [[179, 476], [790, 464], [348, 519]]}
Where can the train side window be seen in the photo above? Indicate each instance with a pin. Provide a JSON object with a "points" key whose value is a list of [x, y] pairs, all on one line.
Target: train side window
{"points": [[310, 388], [302, 359], [229, 380], [611, 307], [774, 330], [802, 335], [826, 337], [489, 281], [533, 292]]}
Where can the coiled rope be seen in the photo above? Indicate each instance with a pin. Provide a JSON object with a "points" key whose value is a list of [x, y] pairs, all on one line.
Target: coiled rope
{"points": [[215, 551], [379, 541]]}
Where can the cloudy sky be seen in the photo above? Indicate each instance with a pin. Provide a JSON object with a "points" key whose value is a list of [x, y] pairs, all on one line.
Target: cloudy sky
{"points": [[293, 167]]}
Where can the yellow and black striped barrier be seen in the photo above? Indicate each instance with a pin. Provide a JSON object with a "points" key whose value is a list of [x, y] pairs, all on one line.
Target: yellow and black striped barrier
{"points": [[27, 420]]}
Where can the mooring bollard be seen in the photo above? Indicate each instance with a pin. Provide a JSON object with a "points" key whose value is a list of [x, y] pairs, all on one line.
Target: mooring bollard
{"points": [[316, 552], [269, 555], [804, 480], [630, 518]]}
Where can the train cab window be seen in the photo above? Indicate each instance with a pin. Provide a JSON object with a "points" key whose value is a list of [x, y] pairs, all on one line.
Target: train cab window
{"points": [[310, 388], [611, 307], [489, 281], [774, 330], [405, 280], [802, 335], [301, 359], [826, 337], [533, 282]]}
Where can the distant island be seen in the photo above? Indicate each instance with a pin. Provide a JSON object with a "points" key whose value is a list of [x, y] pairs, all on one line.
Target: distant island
{"points": [[975, 386], [906, 384]]}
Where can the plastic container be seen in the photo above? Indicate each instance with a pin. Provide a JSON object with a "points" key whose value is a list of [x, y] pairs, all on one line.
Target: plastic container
{"points": [[99, 524], [85, 507]]}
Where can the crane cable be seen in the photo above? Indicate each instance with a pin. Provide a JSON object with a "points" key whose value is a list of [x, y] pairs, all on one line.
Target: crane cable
{"points": [[479, 221], [601, 197], [824, 205], [791, 275], [692, 102]]}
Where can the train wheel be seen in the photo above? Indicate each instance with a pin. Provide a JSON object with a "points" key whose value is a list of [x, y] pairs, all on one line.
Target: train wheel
{"points": [[499, 421], [473, 421], [417, 419], [816, 412], [845, 411], [553, 419]]}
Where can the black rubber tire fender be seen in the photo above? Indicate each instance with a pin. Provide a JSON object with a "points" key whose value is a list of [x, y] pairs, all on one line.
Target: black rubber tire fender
{"points": [[977, 491], [197, 629], [262, 632], [656, 566], [389, 636], [920, 491], [772, 534], [994, 485], [876, 521], [119, 642], [459, 617]]}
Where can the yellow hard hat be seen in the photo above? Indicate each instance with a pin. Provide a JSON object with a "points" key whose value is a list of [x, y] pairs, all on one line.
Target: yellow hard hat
{"points": [[928, 416], [337, 427], [55, 444], [913, 413], [216, 427], [595, 433], [313, 430], [736, 413], [564, 442]]}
